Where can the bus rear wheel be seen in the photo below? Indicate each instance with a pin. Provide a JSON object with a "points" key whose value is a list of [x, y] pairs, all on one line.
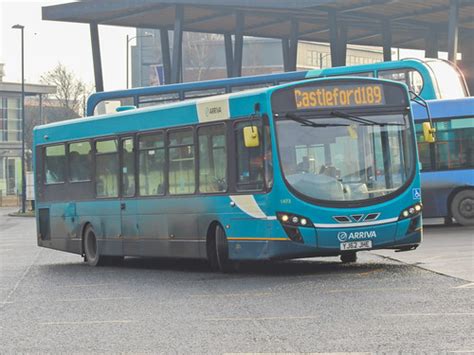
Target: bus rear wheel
{"points": [[91, 248], [462, 207], [349, 257], [222, 251]]}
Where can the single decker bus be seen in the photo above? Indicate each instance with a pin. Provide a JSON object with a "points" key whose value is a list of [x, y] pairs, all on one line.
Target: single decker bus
{"points": [[324, 167]]}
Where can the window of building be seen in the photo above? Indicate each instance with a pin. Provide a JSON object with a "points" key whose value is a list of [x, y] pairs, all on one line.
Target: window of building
{"points": [[181, 174], [107, 168], [250, 161], [55, 164], [80, 161], [151, 164], [212, 159], [128, 167]]}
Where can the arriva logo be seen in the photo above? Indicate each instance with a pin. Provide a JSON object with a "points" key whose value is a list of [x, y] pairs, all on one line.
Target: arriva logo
{"points": [[343, 236]]}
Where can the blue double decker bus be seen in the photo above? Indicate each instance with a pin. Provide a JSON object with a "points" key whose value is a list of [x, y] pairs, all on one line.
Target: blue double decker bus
{"points": [[323, 167], [429, 78]]}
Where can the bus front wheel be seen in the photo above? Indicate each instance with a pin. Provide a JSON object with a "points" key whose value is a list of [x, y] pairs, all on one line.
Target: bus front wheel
{"points": [[462, 207], [222, 251], [91, 248], [349, 257]]}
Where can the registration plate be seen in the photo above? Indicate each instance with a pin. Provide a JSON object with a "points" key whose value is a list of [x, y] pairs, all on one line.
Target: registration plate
{"points": [[360, 244]]}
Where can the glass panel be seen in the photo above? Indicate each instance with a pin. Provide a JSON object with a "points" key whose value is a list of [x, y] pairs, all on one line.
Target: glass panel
{"points": [[250, 165], [152, 141], [110, 106], [212, 159], [450, 84], [454, 146], [151, 165], [411, 77], [104, 147], [80, 160], [55, 164], [341, 160], [268, 157], [107, 168], [181, 162], [128, 168]]}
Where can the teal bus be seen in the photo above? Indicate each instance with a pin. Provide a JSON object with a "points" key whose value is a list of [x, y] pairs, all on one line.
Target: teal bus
{"points": [[429, 78], [323, 167]]}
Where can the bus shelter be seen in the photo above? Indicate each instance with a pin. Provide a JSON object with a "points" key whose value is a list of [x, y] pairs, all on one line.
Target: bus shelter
{"points": [[435, 25]]}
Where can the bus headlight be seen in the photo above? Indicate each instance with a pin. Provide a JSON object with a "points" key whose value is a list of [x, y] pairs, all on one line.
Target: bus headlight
{"points": [[411, 211], [291, 219]]}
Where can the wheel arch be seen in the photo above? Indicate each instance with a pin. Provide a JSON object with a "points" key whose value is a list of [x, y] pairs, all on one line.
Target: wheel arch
{"points": [[453, 194]]}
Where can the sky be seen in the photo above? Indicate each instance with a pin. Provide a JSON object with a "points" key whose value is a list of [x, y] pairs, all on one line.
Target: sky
{"points": [[48, 43]]}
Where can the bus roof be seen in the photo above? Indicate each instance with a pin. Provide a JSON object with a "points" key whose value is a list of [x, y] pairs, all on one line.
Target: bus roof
{"points": [[445, 108]]}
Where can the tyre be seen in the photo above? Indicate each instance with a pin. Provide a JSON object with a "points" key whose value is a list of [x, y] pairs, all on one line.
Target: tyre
{"points": [[222, 251], [349, 257], [462, 207], [91, 248]]}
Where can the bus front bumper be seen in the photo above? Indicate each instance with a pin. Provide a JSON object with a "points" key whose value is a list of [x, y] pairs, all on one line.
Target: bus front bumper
{"points": [[402, 235]]}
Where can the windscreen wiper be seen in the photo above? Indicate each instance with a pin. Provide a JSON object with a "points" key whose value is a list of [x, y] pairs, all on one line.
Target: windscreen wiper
{"points": [[309, 123], [363, 121]]}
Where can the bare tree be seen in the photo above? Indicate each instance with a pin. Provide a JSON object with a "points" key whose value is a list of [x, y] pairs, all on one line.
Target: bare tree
{"points": [[71, 92], [200, 50]]}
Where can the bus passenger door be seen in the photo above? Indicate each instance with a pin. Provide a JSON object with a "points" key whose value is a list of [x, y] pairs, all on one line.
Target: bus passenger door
{"points": [[128, 203]]}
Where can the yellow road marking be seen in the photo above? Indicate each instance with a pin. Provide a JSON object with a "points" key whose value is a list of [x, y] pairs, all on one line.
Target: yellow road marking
{"points": [[262, 318]]}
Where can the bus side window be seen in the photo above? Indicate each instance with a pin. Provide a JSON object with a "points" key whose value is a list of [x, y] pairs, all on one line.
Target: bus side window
{"points": [[424, 149], [151, 164], [212, 159], [55, 164], [128, 167], [411, 77], [250, 161], [80, 160], [454, 146], [107, 168], [181, 174]]}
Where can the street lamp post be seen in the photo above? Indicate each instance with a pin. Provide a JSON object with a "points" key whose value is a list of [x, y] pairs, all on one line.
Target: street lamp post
{"points": [[128, 39], [23, 174]]}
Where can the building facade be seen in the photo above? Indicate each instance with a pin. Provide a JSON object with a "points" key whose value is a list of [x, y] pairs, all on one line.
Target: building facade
{"points": [[10, 132], [204, 57]]}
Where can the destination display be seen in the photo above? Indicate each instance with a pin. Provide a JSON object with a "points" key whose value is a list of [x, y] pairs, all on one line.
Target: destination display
{"points": [[361, 94], [340, 93]]}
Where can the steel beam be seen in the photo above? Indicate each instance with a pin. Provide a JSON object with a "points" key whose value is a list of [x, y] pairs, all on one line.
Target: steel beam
{"points": [[453, 30], [334, 38], [285, 46], [293, 52], [99, 79], [229, 54], [431, 47], [177, 44], [238, 43], [166, 55], [387, 40], [342, 45]]}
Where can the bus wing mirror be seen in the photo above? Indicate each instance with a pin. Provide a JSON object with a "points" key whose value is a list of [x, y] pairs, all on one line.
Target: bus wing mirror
{"points": [[251, 137], [428, 132]]}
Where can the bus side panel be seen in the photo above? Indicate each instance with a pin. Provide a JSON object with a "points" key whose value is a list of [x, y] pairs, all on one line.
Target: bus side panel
{"points": [[437, 187], [104, 216]]}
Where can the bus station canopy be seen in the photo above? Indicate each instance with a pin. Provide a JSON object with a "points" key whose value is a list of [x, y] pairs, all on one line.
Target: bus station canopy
{"points": [[417, 24]]}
